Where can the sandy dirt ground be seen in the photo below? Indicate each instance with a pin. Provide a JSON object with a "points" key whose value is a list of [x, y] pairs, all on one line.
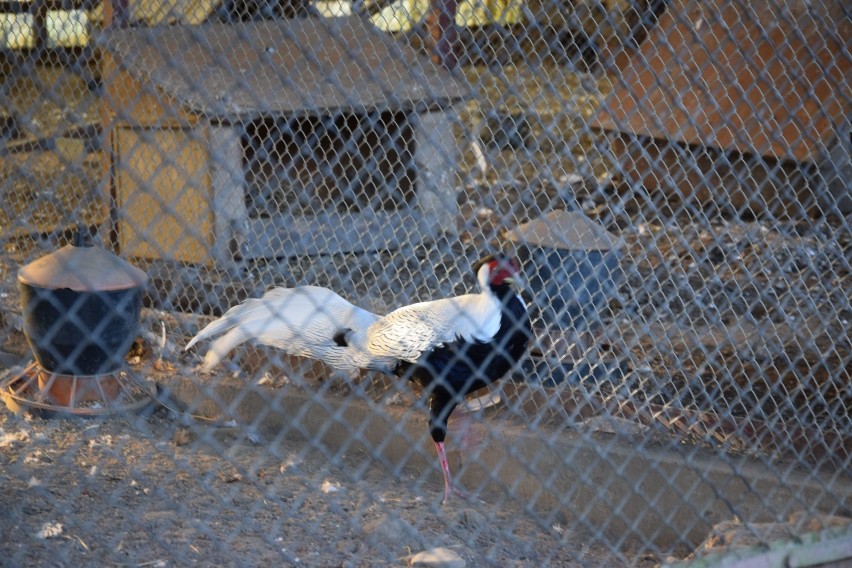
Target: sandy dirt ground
{"points": [[147, 490]]}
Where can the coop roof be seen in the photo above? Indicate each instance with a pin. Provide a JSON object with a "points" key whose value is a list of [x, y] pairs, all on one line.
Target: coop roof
{"points": [[755, 77], [236, 71]]}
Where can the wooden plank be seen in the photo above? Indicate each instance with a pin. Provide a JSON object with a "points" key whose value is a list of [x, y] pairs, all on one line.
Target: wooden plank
{"points": [[128, 100], [85, 137], [163, 196], [703, 178], [28, 6], [331, 233], [738, 76]]}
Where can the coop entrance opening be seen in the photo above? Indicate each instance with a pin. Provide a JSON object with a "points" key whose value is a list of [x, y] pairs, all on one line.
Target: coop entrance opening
{"points": [[342, 163]]}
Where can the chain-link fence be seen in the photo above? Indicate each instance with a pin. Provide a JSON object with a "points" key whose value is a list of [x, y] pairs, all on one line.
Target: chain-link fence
{"points": [[672, 176]]}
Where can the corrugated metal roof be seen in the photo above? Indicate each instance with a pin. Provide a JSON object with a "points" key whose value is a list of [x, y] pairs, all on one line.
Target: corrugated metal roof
{"points": [[761, 77], [236, 71]]}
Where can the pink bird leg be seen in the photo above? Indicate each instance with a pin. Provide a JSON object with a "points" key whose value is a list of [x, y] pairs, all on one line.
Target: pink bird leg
{"points": [[449, 488]]}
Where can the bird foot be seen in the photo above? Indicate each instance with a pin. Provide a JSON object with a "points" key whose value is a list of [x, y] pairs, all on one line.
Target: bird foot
{"points": [[451, 492], [455, 493]]}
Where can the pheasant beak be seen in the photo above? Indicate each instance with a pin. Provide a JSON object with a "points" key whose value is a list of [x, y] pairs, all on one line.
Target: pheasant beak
{"points": [[517, 281]]}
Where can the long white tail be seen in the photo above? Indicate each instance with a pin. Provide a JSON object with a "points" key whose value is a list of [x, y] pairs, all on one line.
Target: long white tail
{"points": [[308, 321]]}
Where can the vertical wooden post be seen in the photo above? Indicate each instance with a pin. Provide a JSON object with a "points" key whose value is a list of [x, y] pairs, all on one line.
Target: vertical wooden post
{"points": [[441, 22], [108, 143], [436, 154], [114, 16], [39, 11]]}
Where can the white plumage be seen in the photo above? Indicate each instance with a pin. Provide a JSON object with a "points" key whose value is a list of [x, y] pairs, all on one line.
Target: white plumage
{"points": [[300, 321], [410, 331], [316, 322]]}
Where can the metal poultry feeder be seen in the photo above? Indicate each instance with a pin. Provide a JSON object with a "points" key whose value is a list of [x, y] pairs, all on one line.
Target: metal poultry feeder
{"points": [[577, 267], [576, 280], [81, 307]]}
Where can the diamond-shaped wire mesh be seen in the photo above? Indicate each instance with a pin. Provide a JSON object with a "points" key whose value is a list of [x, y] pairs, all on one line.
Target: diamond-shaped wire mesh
{"points": [[671, 384]]}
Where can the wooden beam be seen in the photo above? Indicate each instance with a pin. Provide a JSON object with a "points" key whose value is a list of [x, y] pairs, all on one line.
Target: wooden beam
{"points": [[28, 7]]}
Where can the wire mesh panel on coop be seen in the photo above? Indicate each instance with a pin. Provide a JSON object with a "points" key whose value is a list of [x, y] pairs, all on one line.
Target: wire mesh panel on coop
{"points": [[510, 283]]}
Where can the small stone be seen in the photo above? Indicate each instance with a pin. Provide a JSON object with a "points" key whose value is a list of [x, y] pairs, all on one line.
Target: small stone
{"points": [[471, 519], [50, 530], [182, 437], [386, 529], [441, 557]]}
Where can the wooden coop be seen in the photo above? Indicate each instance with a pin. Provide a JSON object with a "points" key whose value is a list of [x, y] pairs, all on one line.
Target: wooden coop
{"points": [[275, 139], [732, 105]]}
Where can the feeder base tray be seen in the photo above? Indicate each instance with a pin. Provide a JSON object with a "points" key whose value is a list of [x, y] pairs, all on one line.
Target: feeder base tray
{"points": [[93, 395]]}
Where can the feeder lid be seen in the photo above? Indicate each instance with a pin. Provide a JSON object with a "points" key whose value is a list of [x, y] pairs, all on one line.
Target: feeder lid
{"points": [[565, 230], [82, 268]]}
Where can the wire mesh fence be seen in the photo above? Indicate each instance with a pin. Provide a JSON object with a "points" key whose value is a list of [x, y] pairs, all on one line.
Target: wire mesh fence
{"points": [[666, 184]]}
